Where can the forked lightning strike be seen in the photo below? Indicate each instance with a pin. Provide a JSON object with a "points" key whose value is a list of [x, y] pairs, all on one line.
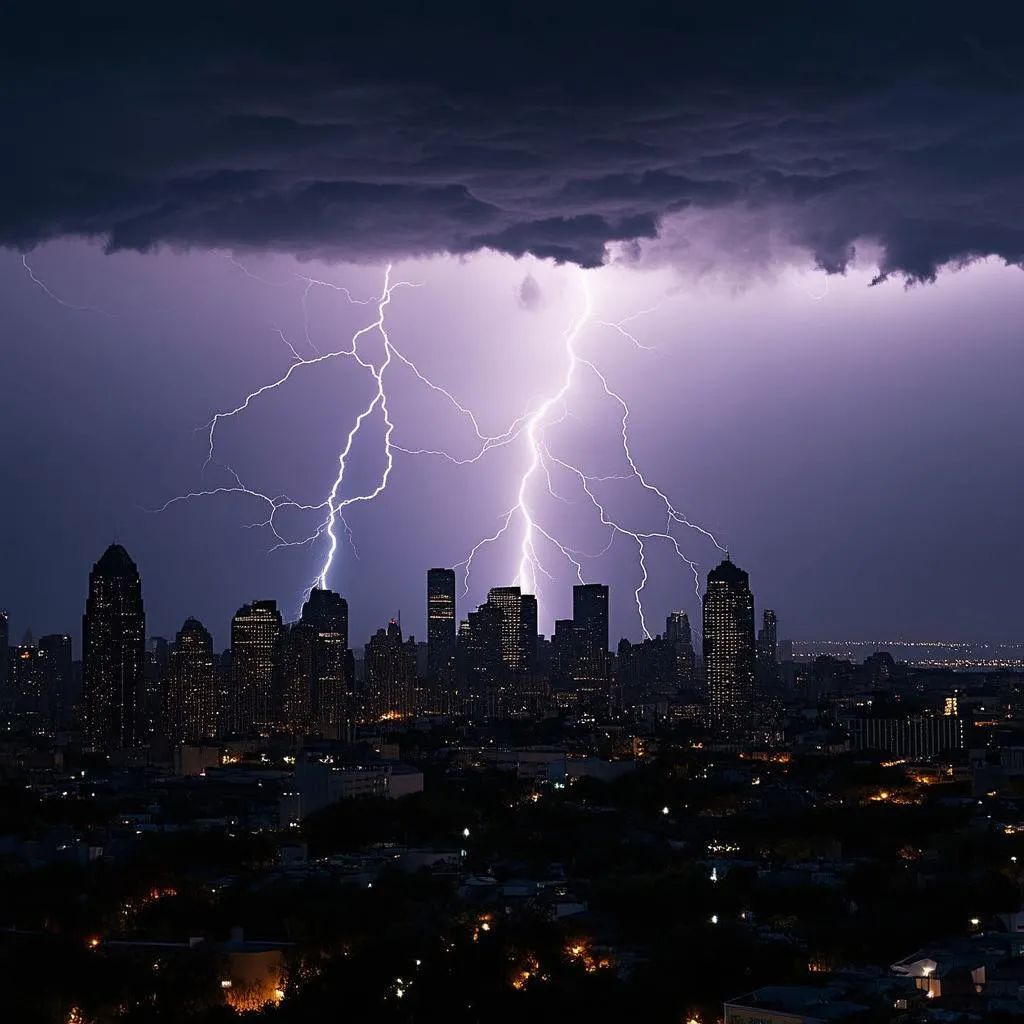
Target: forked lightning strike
{"points": [[530, 428]]}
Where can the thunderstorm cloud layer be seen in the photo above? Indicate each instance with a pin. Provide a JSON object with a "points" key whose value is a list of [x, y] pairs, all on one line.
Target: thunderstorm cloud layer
{"points": [[404, 131]]}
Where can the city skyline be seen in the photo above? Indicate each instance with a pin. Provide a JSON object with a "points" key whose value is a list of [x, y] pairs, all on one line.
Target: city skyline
{"points": [[811, 362], [766, 632]]}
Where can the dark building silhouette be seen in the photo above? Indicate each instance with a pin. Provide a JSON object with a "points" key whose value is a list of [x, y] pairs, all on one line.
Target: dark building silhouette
{"points": [[255, 657], [156, 679], [730, 656], [330, 677], [480, 664], [528, 607], [55, 651], [5, 643], [29, 698], [679, 640], [441, 623], [113, 652], [590, 612], [191, 713], [768, 638], [880, 668], [390, 666], [768, 675]]}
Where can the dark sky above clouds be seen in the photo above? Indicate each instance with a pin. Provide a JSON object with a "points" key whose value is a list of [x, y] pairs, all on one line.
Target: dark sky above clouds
{"points": [[856, 447]]}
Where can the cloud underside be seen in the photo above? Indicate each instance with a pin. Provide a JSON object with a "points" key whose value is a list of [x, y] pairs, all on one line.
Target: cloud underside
{"points": [[677, 141]]}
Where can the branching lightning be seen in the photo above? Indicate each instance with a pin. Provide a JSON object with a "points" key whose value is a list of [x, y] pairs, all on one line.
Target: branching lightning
{"points": [[536, 540]]}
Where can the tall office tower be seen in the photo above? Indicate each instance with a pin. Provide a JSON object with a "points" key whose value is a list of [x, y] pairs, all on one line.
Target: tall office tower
{"points": [[510, 602], [113, 652], [730, 659], [298, 646], [479, 658], [325, 619], [223, 681], [191, 713], [255, 654], [55, 650], [590, 612], [156, 677], [440, 623], [590, 617], [28, 687], [390, 666], [679, 638], [528, 608], [768, 639], [5, 642]]}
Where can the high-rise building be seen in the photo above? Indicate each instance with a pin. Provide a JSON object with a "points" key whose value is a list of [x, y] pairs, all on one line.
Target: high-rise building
{"points": [[155, 683], [590, 618], [255, 654], [479, 657], [679, 638], [5, 642], [730, 659], [590, 611], [191, 713], [510, 602], [390, 666], [768, 639], [528, 608], [113, 652], [28, 687], [55, 650], [440, 623], [330, 680]]}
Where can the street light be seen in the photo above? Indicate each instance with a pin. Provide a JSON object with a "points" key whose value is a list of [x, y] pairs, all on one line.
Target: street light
{"points": [[465, 833]]}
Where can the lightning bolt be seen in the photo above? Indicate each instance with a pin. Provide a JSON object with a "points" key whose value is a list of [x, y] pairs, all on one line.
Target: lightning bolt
{"points": [[530, 429], [541, 459], [40, 284]]}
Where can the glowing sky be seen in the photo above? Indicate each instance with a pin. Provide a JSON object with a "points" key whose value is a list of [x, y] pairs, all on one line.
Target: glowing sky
{"points": [[853, 446], [741, 176]]}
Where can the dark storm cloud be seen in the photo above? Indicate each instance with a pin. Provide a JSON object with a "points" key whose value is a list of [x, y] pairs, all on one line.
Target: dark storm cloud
{"points": [[528, 294], [405, 130]]}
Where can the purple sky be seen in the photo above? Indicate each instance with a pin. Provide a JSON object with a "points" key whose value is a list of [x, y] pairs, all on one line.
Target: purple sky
{"points": [[856, 448]]}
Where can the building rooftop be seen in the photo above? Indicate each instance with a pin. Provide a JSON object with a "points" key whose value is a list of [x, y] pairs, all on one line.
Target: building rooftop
{"points": [[818, 1002]]}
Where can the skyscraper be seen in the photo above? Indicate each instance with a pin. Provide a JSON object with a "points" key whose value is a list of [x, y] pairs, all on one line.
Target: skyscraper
{"points": [[590, 611], [590, 618], [191, 713], [255, 653], [768, 638], [325, 616], [113, 652], [5, 641], [440, 623], [479, 657], [55, 650], [528, 608], [730, 660], [679, 638], [390, 674], [510, 601]]}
